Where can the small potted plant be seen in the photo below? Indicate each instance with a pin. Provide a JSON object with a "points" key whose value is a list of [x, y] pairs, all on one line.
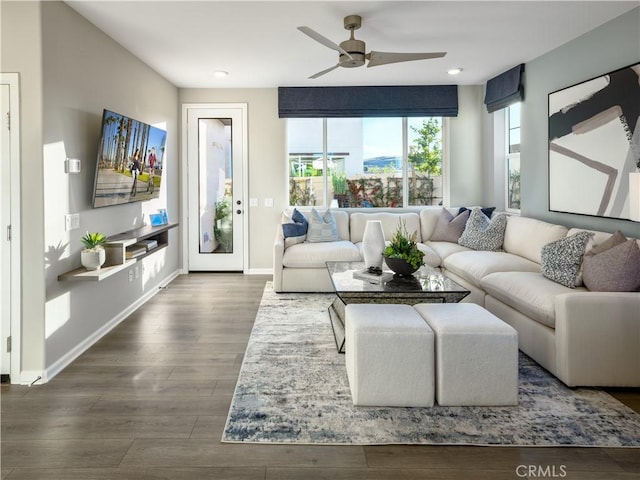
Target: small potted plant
{"points": [[402, 255], [93, 255]]}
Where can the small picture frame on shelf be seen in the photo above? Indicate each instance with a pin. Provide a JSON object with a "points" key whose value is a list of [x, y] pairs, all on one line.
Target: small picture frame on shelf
{"points": [[156, 219], [165, 218]]}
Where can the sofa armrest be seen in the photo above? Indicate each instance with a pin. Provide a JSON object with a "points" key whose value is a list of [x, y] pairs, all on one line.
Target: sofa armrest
{"points": [[598, 338], [278, 254]]}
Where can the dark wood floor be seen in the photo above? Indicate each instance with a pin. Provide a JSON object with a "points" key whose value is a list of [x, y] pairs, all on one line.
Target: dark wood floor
{"points": [[150, 401]]}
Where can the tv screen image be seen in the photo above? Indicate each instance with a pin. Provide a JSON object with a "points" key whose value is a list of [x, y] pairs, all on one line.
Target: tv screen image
{"points": [[130, 161]]}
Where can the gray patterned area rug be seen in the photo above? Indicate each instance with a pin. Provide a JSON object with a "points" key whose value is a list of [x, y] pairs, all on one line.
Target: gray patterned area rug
{"points": [[293, 389]]}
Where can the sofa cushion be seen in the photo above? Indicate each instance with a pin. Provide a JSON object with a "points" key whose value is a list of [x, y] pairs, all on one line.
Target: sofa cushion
{"points": [[561, 259], [449, 228], [429, 218], [482, 233], [315, 255], [527, 292], [390, 222], [431, 257], [526, 236], [616, 269], [472, 265], [444, 249]]}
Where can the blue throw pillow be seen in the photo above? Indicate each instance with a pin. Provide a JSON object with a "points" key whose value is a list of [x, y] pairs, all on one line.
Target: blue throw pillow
{"points": [[298, 227], [488, 211]]}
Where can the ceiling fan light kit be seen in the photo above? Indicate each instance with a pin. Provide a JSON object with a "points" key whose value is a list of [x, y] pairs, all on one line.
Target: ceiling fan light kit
{"points": [[352, 52]]}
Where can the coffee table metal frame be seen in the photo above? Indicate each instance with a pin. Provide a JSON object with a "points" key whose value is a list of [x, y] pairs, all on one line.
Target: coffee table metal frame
{"points": [[427, 285]]}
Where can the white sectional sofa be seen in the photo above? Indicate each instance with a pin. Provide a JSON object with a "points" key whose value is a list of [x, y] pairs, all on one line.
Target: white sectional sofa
{"points": [[585, 338]]}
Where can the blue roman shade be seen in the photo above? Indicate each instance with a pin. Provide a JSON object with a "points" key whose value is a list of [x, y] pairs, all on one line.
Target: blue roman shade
{"points": [[505, 89], [380, 101]]}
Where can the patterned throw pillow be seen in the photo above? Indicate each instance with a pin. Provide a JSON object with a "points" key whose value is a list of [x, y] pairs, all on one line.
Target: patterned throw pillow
{"points": [[616, 269], [449, 228], [482, 233], [294, 228], [561, 259], [322, 228]]}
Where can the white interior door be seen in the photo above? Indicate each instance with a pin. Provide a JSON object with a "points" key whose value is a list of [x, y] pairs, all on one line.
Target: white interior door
{"points": [[10, 324], [5, 253], [216, 171]]}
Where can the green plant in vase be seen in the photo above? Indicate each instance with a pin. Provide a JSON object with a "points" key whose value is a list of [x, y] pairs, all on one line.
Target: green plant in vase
{"points": [[402, 254], [93, 240], [93, 255]]}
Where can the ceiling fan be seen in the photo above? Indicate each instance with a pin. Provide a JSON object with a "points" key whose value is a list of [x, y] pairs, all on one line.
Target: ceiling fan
{"points": [[352, 51]]}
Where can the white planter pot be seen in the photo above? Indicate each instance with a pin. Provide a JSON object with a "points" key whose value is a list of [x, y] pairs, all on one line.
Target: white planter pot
{"points": [[373, 244], [93, 259]]}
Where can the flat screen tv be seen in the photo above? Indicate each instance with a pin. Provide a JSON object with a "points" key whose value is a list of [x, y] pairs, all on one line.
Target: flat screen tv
{"points": [[130, 160]]}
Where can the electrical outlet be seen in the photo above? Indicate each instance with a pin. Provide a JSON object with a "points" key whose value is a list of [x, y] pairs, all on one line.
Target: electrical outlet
{"points": [[72, 221], [130, 275]]}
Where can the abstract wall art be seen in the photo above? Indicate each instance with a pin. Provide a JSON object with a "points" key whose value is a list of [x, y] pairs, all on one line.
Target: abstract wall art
{"points": [[594, 144]]}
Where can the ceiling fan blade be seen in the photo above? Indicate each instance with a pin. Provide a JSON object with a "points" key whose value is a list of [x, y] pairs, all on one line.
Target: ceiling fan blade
{"points": [[323, 40], [319, 74], [383, 58]]}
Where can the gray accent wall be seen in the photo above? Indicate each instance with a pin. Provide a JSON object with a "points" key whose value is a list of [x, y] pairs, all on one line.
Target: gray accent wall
{"points": [[69, 72], [614, 45], [85, 71]]}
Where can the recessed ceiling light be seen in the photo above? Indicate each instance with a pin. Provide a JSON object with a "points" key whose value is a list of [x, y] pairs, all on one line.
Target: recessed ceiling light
{"points": [[220, 73], [454, 71]]}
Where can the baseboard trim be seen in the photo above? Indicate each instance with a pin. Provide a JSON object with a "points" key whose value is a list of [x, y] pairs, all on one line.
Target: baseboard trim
{"points": [[82, 347], [31, 377], [259, 271]]}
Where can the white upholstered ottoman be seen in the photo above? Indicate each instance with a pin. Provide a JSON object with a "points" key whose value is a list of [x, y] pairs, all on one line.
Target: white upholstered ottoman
{"points": [[476, 355], [389, 353]]}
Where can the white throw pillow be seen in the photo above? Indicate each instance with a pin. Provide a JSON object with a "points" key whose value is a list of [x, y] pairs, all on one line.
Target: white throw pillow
{"points": [[322, 228]]}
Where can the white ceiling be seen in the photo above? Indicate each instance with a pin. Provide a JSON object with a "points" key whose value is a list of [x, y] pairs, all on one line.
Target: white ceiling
{"points": [[259, 45]]}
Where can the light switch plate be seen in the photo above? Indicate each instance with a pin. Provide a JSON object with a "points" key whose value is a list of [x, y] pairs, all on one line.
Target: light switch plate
{"points": [[72, 165], [253, 202], [268, 202], [72, 221]]}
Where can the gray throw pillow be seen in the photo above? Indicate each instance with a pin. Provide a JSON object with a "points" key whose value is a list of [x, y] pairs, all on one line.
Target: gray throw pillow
{"points": [[450, 228], [322, 228], [561, 259], [482, 233], [614, 270]]}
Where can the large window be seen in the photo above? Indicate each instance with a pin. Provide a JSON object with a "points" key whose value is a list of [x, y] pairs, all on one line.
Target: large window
{"points": [[512, 201], [365, 162]]}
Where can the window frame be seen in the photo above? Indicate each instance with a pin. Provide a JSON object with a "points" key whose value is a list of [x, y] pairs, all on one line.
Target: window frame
{"points": [[444, 138], [509, 158]]}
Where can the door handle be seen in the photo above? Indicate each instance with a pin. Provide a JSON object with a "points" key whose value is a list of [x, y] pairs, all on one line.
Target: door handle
{"points": [[238, 211]]}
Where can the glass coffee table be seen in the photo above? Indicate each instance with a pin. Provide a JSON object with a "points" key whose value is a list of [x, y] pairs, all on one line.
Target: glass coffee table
{"points": [[353, 284]]}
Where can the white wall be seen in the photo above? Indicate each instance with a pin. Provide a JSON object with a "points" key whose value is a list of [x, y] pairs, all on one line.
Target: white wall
{"points": [[268, 158], [466, 182], [267, 163], [613, 45], [21, 25]]}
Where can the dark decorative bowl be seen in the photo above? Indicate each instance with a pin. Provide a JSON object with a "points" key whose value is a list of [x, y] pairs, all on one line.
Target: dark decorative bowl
{"points": [[403, 283], [399, 266]]}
